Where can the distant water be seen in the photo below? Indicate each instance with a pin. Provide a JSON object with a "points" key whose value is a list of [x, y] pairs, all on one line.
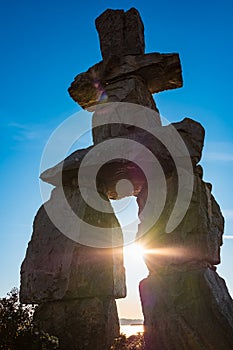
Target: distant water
{"points": [[129, 330]]}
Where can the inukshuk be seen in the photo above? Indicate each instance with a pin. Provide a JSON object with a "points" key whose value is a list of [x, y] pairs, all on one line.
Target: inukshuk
{"points": [[185, 303]]}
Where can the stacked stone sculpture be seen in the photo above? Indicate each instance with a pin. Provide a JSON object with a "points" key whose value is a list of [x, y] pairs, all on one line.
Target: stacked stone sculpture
{"points": [[186, 305]]}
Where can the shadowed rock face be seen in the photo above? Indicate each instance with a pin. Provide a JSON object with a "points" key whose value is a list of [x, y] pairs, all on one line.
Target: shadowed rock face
{"points": [[94, 320], [127, 79], [128, 30], [126, 74], [186, 307], [58, 268], [66, 172], [185, 303]]}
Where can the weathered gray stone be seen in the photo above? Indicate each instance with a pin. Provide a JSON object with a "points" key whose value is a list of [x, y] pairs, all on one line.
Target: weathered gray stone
{"points": [[197, 238], [130, 90], [66, 172], [128, 29], [185, 303], [58, 268], [154, 72], [193, 135], [186, 307], [159, 71], [81, 324]]}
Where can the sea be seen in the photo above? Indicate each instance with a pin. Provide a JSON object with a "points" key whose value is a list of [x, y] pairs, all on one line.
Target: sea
{"points": [[129, 329]]}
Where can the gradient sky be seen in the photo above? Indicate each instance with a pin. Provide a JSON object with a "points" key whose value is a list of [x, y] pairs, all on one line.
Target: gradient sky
{"points": [[45, 44]]}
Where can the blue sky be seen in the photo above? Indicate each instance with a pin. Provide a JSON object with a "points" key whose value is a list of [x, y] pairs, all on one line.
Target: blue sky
{"points": [[45, 44]]}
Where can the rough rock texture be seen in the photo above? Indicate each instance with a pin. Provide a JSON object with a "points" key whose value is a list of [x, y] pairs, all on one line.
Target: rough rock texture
{"points": [[109, 121], [58, 268], [131, 90], [185, 303], [197, 238], [128, 29], [80, 324], [187, 307], [158, 72], [67, 171], [193, 135]]}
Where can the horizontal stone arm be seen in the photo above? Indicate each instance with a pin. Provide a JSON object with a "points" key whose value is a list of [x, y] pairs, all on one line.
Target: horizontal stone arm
{"points": [[159, 72]]}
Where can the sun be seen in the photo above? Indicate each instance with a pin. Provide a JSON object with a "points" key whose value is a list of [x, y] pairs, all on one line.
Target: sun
{"points": [[135, 271], [133, 251]]}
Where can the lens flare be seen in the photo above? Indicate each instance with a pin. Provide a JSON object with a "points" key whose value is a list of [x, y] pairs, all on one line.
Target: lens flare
{"points": [[134, 251]]}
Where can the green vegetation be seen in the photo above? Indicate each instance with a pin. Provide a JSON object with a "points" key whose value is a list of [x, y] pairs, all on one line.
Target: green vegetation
{"points": [[17, 331]]}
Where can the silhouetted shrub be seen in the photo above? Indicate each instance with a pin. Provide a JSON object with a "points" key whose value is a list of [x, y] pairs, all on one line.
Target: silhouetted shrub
{"points": [[17, 331]]}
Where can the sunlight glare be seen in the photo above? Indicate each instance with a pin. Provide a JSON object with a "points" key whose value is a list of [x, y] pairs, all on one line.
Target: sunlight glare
{"points": [[126, 211], [136, 270], [133, 251]]}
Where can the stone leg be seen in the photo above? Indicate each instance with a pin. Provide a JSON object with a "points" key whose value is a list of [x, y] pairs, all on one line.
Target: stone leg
{"points": [[187, 308], [81, 324], [58, 268], [75, 285], [186, 305]]}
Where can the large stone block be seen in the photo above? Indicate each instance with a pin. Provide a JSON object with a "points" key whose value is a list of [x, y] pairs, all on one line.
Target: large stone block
{"points": [[187, 307], [197, 238], [57, 267], [83, 324], [120, 33], [121, 119], [113, 126], [193, 135], [158, 72]]}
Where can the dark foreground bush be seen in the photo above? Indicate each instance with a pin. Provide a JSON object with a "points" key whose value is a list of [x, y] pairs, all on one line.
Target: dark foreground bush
{"points": [[17, 331], [134, 342]]}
